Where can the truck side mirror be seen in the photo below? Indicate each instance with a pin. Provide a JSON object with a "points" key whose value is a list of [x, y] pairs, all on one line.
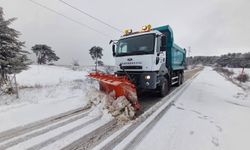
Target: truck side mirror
{"points": [[113, 49], [163, 43], [111, 41]]}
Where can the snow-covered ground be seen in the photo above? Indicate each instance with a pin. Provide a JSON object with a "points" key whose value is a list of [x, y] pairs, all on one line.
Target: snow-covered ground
{"points": [[237, 72], [44, 91], [45, 75], [211, 114]]}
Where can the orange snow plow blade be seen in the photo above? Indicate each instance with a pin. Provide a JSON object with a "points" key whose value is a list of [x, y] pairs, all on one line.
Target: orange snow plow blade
{"points": [[120, 85]]}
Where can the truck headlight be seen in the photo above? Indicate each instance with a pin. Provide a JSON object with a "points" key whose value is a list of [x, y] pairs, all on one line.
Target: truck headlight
{"points": [[147, 77]]}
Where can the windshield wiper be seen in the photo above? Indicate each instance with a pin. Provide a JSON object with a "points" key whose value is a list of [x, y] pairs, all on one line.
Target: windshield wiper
{"points": [[122, 54]]}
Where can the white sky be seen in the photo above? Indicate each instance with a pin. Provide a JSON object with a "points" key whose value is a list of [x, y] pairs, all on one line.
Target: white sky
{"points": [[210, 27]]}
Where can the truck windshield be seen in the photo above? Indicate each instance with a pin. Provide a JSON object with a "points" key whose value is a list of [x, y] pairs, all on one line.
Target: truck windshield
{"points": [[138, 45]]}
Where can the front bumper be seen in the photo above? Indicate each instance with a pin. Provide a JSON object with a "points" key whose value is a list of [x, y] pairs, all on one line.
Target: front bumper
{"points": [[142, 80]]}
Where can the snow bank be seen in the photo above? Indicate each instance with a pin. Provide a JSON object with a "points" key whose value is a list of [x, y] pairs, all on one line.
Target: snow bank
{"points": [[120, 108]]}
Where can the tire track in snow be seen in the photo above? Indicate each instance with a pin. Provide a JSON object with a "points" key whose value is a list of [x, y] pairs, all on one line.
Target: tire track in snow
{"points": [[40, 131], [11, 133], [87, 140], [64, 134]]}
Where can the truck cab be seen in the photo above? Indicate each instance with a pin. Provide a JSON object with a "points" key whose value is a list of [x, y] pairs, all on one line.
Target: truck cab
{"points": [[150, 59]]}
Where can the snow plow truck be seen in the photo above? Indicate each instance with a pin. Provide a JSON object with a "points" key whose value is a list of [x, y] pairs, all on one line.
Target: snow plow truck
{"points": [[147, 60]]}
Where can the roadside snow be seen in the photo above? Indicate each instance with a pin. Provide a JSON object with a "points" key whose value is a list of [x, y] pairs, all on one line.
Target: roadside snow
{"points": [[44, 75], [237, 72], [208, 115], [44, 91]]}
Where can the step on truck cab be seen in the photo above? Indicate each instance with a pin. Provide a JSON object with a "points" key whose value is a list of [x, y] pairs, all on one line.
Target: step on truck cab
{"points": [[150, 59]]}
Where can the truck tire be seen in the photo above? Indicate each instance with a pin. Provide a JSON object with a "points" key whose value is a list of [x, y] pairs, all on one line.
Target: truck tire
{"points": [[164, 88], [180, 79]]}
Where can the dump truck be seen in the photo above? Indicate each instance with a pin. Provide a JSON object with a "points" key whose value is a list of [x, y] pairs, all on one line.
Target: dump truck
{"points": [[147, 60]]}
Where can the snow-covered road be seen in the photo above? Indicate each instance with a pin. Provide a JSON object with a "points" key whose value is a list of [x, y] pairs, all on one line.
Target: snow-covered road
{"points": [[209, 115]]}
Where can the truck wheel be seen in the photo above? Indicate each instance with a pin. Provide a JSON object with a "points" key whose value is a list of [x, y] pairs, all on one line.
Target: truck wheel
{"points": [[180, 78], [164, 88]]}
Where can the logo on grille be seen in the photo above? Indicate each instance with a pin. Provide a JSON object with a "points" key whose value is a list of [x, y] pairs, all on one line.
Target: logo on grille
{"points": [[130, 59]]}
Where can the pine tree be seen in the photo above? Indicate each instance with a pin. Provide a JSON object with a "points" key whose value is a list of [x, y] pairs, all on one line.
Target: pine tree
{"points": [[13, 59], [95, 53], [44, 54]]}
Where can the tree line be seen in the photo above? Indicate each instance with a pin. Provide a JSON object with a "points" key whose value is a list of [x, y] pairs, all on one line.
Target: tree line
{"points": [[232, 60]]}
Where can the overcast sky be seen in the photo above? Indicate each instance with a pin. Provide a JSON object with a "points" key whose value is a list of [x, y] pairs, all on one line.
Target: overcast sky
{"points": [[209, 27]]}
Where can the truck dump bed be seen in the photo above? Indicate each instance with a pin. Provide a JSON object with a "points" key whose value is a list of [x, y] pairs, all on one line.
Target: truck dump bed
{"points": [[175, 54]]}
